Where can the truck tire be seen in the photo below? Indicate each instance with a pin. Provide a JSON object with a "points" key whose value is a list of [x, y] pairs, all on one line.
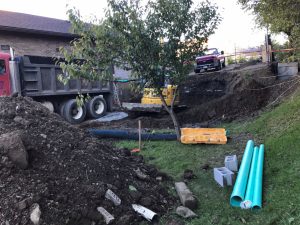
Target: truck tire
{"points": [[49, 105], [61, 109], [97, 107], [219, 65], [72, 113]]}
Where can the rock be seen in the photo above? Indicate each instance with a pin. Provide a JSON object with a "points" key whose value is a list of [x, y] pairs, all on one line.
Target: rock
{"points": [[173, 222], [35, 214], [188, 174], [146, 201], [125, 220], [185, 195], [21, 205], [141, 175], [43, 135], [21, 120], [126, 151], [205, 166], [185, 212], [135, 195], [12, 144]]}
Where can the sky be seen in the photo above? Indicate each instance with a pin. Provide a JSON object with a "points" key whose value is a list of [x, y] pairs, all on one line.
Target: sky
{"points": [[237, 29]]}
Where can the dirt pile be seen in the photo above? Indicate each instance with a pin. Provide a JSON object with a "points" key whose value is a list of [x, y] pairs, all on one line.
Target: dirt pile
{"points": [[67, 171], [229, 95]]}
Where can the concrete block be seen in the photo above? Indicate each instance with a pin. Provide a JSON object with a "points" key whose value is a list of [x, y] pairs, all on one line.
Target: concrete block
{"points": [[186, 196], [231, 163], [223, 176]]}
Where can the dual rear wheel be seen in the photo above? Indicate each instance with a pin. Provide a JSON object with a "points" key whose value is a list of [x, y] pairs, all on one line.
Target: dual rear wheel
{"points": [[75, 114]]}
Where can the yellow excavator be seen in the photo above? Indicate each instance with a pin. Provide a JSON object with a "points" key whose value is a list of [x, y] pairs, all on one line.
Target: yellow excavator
{"points": [[151, 101]]}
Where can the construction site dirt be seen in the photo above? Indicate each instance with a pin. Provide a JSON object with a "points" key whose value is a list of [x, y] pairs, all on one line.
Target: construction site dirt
{"points": [[46, 161], [66, 172], [235, 93]]}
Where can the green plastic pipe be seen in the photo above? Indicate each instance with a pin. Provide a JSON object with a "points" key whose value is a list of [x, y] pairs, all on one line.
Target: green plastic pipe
{"points": [[251, 180], [257, 196], [239, 189]]}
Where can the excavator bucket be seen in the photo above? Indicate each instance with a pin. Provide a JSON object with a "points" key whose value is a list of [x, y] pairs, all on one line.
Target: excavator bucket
{"points": [[203, 136]]}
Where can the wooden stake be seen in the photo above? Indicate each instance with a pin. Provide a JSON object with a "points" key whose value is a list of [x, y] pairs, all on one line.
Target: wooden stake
{"points": [[140, 135]]}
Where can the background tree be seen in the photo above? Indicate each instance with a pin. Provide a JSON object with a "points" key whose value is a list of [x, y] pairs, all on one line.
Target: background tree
{"points": [[278, 15], [156, 40]]}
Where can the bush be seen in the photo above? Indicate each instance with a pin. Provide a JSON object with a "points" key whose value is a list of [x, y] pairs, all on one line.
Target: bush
{"points": [[230, 60]]}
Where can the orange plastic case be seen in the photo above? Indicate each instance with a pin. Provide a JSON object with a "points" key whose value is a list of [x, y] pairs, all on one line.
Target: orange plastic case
{"points": [[203, 136]]}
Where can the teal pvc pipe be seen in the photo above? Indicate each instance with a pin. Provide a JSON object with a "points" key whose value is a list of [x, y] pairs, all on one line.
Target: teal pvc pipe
{"points": [[239, 189], [252, 176], [257, 196]]}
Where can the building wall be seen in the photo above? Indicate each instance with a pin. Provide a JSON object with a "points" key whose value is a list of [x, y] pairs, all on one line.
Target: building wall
{"points": [[27, 44]]}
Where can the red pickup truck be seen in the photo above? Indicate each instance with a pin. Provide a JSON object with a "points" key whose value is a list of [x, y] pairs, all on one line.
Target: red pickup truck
{"points": [[211, 59]]}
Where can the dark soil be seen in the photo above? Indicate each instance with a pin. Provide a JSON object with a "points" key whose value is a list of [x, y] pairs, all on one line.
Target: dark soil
{"points": [[69, 172], [216, 97]]}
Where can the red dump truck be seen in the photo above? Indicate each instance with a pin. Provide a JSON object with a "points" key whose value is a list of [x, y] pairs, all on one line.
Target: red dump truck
{"points": [[37, 77]]}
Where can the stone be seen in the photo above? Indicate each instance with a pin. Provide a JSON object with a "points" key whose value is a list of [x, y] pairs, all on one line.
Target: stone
{"points": [[141, 175], [186, 196], [21, 120], [173, 222], [188, 174], [12, 145], [146, 201], [185, 212], [21, 205], [125, 219], [135, 195], [35, 214]]}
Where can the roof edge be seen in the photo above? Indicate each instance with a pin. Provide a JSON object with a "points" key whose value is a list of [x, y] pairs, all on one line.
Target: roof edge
{"points": [[32, 31]]}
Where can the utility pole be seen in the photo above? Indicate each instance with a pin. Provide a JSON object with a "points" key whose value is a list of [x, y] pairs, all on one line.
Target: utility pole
{"points": [[235, 53]]}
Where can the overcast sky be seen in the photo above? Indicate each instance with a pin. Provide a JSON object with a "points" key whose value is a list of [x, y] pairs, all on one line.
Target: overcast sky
{"points": [[236, 29]]}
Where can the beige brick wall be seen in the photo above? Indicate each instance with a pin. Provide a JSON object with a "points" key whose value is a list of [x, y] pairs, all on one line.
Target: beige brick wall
{"points": [[33, 45]]}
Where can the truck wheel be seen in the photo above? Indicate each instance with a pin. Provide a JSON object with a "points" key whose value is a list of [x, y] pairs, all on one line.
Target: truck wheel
{"points": [[97, 107], [219, 65], [49, 105], [224, 64], [72, 113]]}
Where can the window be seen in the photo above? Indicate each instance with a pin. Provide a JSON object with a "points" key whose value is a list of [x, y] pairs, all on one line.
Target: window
{"points": [[5, 47], [2, 67]]}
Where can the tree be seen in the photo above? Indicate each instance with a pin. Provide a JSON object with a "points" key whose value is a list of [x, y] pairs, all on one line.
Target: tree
{"points": [[155, 40], [278, 15]]}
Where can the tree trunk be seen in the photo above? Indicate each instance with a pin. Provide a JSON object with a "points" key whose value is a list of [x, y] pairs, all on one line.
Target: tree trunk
{"points": [[170, 110]]}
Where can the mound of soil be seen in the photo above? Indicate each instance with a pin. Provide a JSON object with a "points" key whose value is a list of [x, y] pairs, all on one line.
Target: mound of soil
{"points": [[67, 171], [231, 95]]}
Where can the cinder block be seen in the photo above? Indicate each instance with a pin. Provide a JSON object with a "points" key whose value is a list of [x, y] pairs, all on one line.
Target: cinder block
{"points": [[223, 176], [231, 163]]}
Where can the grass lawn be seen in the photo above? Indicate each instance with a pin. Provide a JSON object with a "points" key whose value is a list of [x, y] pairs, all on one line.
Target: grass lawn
{"points": [[278, 129]]}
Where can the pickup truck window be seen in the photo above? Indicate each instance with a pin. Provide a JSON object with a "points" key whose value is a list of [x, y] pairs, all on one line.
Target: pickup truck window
{"points": [[2, 67], [212, 51]]}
